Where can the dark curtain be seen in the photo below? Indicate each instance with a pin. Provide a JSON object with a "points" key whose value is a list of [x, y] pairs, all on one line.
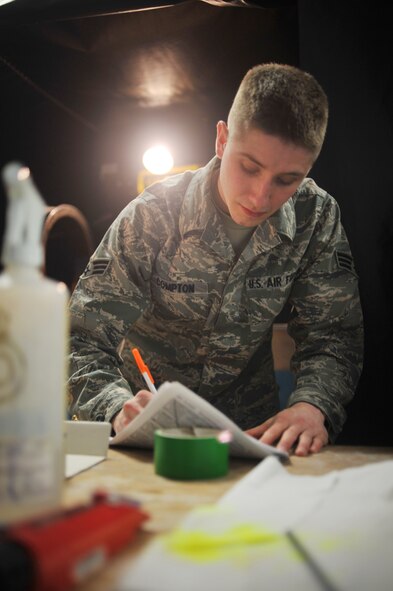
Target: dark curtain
{"points": [[348, 47]]}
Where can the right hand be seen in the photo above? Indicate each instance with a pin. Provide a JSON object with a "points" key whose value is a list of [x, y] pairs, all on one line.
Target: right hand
{"points": [[131, 409]]}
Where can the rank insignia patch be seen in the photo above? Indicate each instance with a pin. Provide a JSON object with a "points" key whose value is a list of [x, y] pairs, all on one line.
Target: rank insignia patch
{"points": [[96, 267], [345, 261]]}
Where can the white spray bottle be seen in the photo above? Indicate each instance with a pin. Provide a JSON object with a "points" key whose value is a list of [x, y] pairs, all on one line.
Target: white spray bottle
{"points": [[33, 360]]}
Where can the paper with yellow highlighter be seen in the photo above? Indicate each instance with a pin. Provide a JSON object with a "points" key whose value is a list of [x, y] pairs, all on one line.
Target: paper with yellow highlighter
{"points": [[343, 520], [174, 405]]}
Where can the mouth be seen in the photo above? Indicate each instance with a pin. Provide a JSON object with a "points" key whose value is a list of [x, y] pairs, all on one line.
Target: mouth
{"points": [[253, 214]]}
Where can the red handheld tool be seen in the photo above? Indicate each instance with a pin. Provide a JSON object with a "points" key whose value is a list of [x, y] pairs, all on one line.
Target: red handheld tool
{"points": [[55, 552]]}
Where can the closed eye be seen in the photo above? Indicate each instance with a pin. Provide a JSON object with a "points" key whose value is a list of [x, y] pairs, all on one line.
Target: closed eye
{"points": [[284, 182], [252, 171]]}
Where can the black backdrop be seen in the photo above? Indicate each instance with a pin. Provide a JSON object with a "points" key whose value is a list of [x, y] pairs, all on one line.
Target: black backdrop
{"points": [[348, 46], [80, 96]]}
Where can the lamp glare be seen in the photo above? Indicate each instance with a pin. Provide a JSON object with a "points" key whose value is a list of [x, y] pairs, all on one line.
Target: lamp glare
{"points": [[158, 160]]}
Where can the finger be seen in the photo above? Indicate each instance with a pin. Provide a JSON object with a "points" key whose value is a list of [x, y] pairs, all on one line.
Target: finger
{"points": [[120, 421], [304, 446], [318, 444], [143, 397], [288, 439], [131, 409], [258, 431], [275, 431]]}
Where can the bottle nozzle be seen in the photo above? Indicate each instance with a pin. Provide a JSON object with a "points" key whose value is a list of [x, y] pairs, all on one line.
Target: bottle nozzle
{"points": [[24, 218], [14, 172]]}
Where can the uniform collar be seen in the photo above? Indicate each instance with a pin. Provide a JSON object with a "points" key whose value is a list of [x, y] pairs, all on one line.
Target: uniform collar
{"points": [[199, 215]]}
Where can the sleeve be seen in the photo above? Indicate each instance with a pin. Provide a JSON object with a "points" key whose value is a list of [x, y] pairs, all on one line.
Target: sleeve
{"points": [[110, 296], [327, 325]]}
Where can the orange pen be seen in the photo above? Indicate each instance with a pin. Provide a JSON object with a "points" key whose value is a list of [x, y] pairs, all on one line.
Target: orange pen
{"points": [[144, 371]]}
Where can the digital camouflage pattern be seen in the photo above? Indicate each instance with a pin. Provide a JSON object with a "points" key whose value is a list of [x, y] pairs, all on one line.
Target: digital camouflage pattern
{"points": [[165, 278]]}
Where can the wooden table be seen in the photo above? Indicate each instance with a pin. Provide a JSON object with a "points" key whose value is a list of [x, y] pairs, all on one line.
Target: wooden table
{"points": [[131, 473]]}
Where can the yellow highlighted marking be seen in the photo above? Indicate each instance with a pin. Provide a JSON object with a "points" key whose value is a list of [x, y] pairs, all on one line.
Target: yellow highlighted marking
{"points": [[200, 546]]}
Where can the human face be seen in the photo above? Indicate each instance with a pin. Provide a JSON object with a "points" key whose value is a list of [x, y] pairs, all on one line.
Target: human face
{"points": [[258, 174]]}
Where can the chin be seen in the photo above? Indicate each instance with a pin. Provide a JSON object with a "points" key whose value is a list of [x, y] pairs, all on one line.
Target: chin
{"points": [[247, 223]]}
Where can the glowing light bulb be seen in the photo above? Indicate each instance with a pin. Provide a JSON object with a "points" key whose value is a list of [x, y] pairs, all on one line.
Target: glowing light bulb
{"points": [[158, 159]]}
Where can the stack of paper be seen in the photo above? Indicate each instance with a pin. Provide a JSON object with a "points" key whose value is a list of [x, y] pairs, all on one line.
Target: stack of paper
{"points": [[343, 523]]}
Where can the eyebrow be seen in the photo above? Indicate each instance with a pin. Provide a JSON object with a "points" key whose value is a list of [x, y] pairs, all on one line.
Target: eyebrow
{"points": [[294, 173]]}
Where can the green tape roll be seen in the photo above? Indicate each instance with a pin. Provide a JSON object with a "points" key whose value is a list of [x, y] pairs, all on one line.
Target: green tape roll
{"points": [[190, 454]]}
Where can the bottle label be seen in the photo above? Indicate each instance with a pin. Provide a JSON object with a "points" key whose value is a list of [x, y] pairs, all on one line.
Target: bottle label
{"points": [[12, 362], [27, 470]]}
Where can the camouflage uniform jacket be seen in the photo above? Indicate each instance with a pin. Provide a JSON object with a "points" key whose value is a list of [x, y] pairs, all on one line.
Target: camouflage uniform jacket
{"points": [[165, 276]]}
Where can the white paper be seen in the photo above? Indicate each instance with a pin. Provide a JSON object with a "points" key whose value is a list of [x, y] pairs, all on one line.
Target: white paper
{"points": [[351, 534], [75, 463], [344, 520], [284, 499], [174, 405]]}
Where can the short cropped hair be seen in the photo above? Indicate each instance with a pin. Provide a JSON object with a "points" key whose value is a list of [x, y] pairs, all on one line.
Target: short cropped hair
{"points": [[283, 101]]}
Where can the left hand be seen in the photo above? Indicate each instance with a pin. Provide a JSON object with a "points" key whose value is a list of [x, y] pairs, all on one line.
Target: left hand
{"points": [[301, 426]]}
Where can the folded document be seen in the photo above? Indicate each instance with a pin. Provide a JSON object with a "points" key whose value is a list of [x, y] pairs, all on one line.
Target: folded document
{"points": [[175, 406]]}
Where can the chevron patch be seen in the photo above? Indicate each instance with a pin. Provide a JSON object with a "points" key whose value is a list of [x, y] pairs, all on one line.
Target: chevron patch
{"points": [[96, 267], [345, 261]]}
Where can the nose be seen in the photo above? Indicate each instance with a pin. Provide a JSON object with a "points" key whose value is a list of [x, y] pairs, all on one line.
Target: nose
{"points": [[261, 195]]}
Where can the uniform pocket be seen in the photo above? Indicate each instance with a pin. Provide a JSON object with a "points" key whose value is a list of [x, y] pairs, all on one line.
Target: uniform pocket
{"points": [[180, 298], [267, 296]]}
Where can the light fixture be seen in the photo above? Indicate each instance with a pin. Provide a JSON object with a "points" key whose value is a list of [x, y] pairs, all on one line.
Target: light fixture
{"points": [[158, 159]]}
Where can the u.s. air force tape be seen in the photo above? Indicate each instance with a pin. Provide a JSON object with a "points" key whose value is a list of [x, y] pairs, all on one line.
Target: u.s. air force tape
{"points": [[191, 454]]}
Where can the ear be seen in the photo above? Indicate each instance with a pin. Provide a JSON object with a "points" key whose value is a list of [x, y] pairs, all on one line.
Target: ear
{"points": [[221, 138]]}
